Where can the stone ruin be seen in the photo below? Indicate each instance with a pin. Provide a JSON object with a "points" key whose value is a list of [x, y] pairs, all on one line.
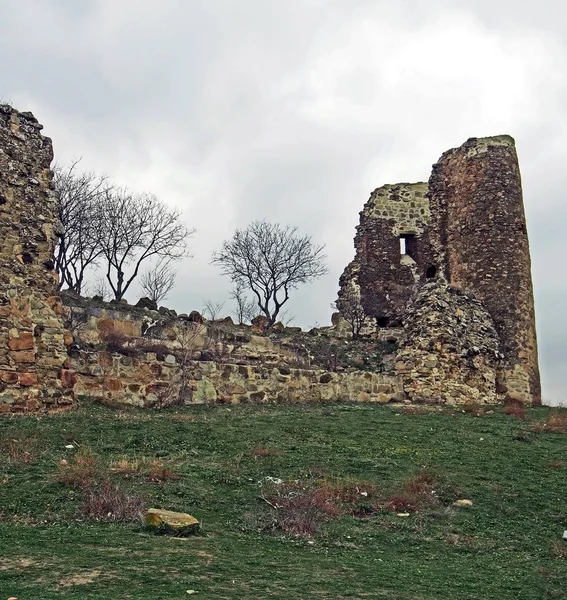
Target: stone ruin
{"points": [[449, 320], [33, 340], [449, 261]]}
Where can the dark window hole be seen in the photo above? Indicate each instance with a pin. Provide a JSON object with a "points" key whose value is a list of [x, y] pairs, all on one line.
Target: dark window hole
{"points": [[430, 272]]}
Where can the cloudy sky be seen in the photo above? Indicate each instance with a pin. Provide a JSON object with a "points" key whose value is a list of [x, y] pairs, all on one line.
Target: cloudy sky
{"points": [[293, 111]]}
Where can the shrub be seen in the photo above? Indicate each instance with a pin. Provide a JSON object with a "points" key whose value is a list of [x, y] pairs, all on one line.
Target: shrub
{"points": [[418, 492], [300, 508], [473, 408], [108, 502], [80, 471], [556, 422], [118, 343], [159, 473], [519, 412]]}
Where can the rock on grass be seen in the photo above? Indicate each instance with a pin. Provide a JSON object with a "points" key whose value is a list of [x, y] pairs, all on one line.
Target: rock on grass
{"points": [[169, 522]]}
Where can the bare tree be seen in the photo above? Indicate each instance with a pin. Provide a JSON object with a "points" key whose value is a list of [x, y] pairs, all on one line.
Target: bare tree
{"points": [[137, 227], [158, 281], [270, 260], [79, 245], [244, 309], [213, 310], [351, 310], [98, 288]]}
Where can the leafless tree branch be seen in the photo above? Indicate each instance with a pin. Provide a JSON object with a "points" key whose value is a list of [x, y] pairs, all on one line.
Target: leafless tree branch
{"points": [[270, 260], [351, 310], [137, 227], [79, 245], [158, 281]]}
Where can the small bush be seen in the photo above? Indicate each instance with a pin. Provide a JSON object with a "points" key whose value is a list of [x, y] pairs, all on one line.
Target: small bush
{"points": [[418, 492], [80, 471], [108, 502], [262, 451], [300, 508], [513, 410], [556, 422], [473, 408], [159, 473], [118, 343]]}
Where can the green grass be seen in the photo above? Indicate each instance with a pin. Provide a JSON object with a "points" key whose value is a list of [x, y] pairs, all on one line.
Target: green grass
{"points": [[500, 548]]}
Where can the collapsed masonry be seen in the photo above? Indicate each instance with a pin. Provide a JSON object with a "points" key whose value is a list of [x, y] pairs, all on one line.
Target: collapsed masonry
{"points": [[461, 289], [449, 260]]}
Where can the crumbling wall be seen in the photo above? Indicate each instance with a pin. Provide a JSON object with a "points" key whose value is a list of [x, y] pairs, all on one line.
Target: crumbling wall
{"points": [[481, 245], [385, 278], [33, 340], [450, 352], [141, 358]]}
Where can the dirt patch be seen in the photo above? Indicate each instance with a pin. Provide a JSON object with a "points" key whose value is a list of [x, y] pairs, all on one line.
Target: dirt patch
{"points": [[83, 578], [13, 564]]}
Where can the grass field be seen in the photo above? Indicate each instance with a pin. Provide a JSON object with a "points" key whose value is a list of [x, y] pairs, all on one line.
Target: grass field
{"points": [[294, 501]]}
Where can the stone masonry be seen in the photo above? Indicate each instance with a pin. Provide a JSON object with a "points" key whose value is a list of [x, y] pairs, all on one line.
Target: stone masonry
{"points": [[33, 340], [481, 244], [467, 228], [448, 260], [450, 353], [384, 277]]}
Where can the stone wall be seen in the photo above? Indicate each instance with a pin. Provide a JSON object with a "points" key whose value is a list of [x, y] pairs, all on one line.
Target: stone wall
{"points": [[127, 356], [461, 290], [467, 228], [33, 350], [450, 353], [481, 244], [385, 278]]}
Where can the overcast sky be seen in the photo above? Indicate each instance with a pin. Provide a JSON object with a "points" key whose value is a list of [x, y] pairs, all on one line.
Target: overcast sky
{"points": [[294, 111]]}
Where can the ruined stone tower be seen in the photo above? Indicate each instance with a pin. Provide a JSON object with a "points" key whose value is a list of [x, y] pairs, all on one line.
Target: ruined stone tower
{"points": [[481, 244], [465, 229], [32, 337]]}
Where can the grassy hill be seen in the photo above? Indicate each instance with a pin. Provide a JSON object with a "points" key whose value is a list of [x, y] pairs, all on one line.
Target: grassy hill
{"points": [[336, 501]]}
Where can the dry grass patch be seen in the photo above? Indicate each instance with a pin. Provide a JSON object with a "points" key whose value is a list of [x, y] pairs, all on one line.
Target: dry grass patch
{"points": [[108, 502], [21, 450], [559, 549], [81, 470], [473, 408], [263, 451], [514, 408], [417, 493], [83, 578], [556, 422], [300, 507], [154, 470]]}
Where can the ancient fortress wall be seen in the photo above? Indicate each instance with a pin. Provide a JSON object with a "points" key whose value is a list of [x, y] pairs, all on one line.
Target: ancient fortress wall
{"points": [[33, 350], [140, 358], [481, 243], [466, 228], [460, 285]]}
